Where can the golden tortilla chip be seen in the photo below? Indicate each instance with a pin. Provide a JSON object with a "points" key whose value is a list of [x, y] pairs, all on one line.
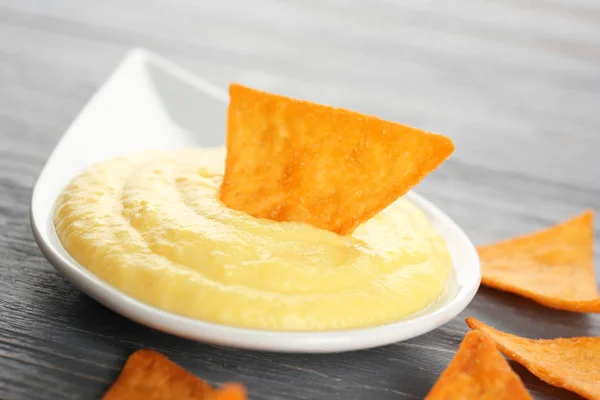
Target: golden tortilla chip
{"points": [[478, 371], [148, 375], [293, 160], [569, 363], [553, 267]]}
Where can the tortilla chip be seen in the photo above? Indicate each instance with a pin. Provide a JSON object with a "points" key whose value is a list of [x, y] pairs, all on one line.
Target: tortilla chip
{"points": [[569, 363], [553, 267], [478, 371], [292, 160], [148, 375]]}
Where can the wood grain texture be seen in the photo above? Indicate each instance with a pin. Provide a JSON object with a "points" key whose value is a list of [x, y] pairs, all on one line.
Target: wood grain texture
{"points": [[516, 84]]}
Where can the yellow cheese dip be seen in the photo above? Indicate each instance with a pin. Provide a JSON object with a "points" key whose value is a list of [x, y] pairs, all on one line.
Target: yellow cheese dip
{"points": [[151, 225]]}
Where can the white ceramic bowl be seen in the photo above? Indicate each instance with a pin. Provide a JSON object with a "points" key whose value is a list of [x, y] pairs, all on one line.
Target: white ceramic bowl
{"points": [[150, 103]]}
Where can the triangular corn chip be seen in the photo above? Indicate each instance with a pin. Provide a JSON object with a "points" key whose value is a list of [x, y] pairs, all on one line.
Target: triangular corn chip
{"points": [[569, 363], [478, 371], [553, 267], [293, 160], [148, 375]]}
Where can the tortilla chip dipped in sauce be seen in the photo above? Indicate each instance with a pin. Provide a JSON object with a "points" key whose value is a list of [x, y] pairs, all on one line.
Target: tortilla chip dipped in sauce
{"points": [[148, 375], [152, 225], [293, 160], [553, 267], [478, 371], [569, 363]]}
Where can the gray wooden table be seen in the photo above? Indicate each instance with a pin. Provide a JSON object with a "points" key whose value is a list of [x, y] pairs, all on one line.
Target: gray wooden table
{"points": [[515, 83]]}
